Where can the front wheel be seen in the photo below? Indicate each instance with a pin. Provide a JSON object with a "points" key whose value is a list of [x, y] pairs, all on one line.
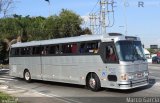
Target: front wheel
{"points": [[93, 82], [27, 76]]}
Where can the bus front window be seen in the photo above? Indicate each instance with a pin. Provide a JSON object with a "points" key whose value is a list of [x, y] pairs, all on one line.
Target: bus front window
{"points": [[130, 50]]}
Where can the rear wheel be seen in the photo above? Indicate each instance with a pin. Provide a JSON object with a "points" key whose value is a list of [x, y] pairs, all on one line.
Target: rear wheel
{"points": [[27, 76], [93, 82]]}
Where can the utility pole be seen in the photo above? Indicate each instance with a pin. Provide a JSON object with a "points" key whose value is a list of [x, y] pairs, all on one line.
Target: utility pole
{"points": [[125, 17], [91, 22], [104, 11], [103, 15], [92, 18], [95, 23]]}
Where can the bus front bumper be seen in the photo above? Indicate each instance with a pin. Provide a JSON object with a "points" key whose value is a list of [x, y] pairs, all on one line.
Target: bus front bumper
{"points": [[133, 84]]}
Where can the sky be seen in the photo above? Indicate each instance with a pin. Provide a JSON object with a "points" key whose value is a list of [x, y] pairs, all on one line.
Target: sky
{"points": [[137, 21]]}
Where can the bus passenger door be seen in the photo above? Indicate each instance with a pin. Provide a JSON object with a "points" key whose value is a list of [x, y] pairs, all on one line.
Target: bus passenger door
{"points": [[35, 63], [50, 63]]}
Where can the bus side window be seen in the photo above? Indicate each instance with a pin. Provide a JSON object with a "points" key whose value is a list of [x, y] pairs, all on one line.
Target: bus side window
{"points": [[17, 52], [69, 48], [28, 51], [43, 50], [23, 51], [74, 48], [57, 49], [89, 47], [95, 47], [36, 51], [54, 49], [12, 53], [82, 48], [66, 48], [110, 54], [33, 50], [47, 49]]}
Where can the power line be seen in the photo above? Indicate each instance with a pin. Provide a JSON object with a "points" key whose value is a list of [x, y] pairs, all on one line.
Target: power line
{"points": [[101, 15], [111, 11], [125, 17], [94, 7]]}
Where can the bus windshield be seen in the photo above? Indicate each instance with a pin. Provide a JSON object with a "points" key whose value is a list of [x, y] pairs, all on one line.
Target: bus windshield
{"points": [[130, 50]]}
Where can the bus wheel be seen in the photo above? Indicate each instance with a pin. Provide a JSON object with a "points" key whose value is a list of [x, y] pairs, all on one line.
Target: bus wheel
{"points": [[27, 76], [93, 82]]}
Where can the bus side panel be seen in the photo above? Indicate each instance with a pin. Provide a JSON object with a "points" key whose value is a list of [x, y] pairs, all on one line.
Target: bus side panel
{"points": [[33, 64], [79, 66], [71, 69], [60, 68], [95, 64], [15, 66], [51, 68], [69, 72], [19, 64]]}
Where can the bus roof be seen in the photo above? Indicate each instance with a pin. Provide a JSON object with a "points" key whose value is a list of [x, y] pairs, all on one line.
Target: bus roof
{"points": [[81, 38]]}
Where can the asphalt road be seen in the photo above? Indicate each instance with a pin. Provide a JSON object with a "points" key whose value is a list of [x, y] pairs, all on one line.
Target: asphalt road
{"points": [[69, 93]]}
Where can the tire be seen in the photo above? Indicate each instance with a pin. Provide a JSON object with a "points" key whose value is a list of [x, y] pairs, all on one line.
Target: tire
{"points": [[27, 76], [93, 82]]}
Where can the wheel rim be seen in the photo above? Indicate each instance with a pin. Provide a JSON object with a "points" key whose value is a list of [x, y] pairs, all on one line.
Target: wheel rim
{"points": [[92, 82], [27, 76]]}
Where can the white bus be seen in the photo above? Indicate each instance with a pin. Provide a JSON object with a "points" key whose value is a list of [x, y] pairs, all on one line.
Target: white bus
{"points": [[110, 61]]}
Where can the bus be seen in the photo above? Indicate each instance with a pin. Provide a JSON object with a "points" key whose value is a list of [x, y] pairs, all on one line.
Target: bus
{"points": [[110, 61]]}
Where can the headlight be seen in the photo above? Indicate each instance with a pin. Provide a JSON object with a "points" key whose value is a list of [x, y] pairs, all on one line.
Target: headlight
{"points": [[146, 74], [124, 77], [130, 76], [127, 77]]}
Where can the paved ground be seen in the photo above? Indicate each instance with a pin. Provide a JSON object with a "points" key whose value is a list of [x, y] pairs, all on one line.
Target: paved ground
{"points": [[52, 92]]}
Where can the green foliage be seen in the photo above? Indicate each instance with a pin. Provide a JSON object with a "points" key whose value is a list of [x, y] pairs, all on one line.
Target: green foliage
{"points": [[27, 28], [66, 24], [3, 51], [70, 23], [86, 31], [152, 51], [7, 28], [5, 98], [52, 27]]}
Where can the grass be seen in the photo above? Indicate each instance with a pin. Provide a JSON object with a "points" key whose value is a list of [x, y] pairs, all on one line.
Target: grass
{"points": [[5, 98]]}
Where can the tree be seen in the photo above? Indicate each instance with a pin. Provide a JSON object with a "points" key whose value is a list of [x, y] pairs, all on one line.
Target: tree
{"points": [[27, 28], [66, 24], [3, 51], [7, 28], [21, 29], [86, 31], [70, 23], [5, 6], [52, 27]]}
